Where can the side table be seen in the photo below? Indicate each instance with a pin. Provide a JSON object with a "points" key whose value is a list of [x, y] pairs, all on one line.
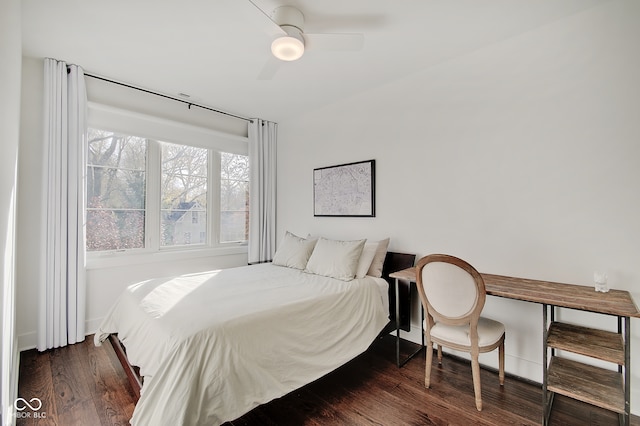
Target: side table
{"points": [[409, 275]]}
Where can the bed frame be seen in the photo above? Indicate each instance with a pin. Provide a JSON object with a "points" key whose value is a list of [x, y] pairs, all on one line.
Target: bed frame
{"points": [[392, 263], [133, 373]]}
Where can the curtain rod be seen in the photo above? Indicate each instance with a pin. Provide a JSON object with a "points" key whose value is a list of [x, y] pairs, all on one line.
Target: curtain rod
{"points": [[190, 104]]}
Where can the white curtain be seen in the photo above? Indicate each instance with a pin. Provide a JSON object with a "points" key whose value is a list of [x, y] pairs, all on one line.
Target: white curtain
{"points": [[62, 290], [262, 190]]}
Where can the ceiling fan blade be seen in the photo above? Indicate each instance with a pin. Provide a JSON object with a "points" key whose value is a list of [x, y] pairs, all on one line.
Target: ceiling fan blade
{"points": [[276, 27], [269, 69], [343, 42]]}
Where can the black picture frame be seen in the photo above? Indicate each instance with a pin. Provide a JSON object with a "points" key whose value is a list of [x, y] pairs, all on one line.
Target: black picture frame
{"points": [[345, 190]]}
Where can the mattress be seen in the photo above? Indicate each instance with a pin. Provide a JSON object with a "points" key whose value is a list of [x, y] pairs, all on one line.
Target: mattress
{"points": [[213, 345]]}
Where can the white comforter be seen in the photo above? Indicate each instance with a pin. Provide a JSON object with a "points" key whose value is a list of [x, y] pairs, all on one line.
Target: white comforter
{"points": [[214, 345]]}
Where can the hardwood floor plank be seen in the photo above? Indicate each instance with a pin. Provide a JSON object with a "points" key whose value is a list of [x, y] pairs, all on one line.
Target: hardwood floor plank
{"points": [[71, 385], [35, 382], [439, 403], [451, 387], [304, 408], [110, 394], [378, 395], [85, 385]]}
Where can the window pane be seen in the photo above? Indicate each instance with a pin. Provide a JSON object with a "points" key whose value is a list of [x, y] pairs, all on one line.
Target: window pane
{"points": [[120, 189], [114, 229], [116, 174], [234, 197], [183, 195]]}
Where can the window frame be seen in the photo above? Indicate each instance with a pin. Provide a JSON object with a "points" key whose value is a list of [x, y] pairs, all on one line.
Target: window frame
{"points": [[165, 130]]}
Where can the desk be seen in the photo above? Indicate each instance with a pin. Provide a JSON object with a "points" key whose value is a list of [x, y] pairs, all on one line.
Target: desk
{"points": [[609, 389]]}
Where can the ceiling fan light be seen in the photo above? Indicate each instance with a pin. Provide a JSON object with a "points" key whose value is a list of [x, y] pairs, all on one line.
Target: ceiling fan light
{"points": [[287, 48]]}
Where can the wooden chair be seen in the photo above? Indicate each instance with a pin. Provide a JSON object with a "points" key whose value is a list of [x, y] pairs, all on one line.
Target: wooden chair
{"points": [[453, 295]]}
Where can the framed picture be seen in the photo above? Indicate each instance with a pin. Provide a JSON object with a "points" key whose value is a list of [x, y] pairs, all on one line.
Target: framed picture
{"points": [[345, 190]]}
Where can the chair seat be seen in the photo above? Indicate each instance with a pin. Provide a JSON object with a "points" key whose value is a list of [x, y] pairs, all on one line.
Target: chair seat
{"points": [[489, 332]]}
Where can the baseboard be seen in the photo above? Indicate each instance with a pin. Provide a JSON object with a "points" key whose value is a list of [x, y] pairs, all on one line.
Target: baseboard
{"points": [[15, 377], [8, 413], [28, 341], [92, 325], [520, 368]]}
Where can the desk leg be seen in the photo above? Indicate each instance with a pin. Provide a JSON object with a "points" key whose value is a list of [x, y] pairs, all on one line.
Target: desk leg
{"points": [[627, 369], [546, 400], [552, 320], [397, 323]]}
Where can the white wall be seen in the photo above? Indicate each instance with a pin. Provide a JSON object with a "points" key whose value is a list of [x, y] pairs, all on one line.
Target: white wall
{"points": [[29, 232], [105, 279], [522, 157], [10, 52]]}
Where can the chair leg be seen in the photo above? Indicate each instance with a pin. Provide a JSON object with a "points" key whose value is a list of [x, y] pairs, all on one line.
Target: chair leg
{"points": [[427, 367], [439, 354], [475, 368], [501, 363]]}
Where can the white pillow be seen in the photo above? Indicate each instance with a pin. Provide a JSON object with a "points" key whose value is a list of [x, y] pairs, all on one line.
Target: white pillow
{"points": [[368, 253], [375, 270], [294, 252], [335, 259]]}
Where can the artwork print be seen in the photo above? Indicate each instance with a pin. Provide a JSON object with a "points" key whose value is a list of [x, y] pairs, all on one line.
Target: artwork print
{"points": [[345, 190]]}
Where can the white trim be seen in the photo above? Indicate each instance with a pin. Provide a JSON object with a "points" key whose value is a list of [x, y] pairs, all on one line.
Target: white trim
{"points": [[213, 198], [27, 341], [104, 260], [164, 130]]}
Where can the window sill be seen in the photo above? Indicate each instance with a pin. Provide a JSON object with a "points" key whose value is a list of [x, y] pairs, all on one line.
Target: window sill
{"points": [[114, 259]]}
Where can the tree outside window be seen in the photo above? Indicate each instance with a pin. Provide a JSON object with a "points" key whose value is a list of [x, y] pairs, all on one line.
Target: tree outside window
{"points": [[234, 197], [116, 176], [120, 171]]}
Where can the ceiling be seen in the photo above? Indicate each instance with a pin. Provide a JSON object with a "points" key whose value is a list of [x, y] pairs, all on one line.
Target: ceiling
{"points": [[215, 50]]}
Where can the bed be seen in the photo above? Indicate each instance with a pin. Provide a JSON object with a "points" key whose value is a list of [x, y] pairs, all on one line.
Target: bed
{"points": [[213, 345]]}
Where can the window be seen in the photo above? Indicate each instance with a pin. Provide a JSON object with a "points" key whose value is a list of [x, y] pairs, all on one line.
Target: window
{"points": [[234, 197], [147, 195], [116, 175], [183, 192]]}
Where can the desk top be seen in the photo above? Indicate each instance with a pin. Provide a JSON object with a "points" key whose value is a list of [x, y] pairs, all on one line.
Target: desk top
{"points": [[584, 298]]}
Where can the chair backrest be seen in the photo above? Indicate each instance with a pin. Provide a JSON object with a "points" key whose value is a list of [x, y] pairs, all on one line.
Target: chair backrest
{"points": [[451, 290]]}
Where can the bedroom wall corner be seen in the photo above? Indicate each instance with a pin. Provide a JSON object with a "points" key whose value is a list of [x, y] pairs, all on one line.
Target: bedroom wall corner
{"points": [[30, 196], [11, 52]]}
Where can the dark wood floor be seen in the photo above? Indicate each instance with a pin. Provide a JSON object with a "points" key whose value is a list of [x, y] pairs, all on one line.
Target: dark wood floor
{"points": [[85, 385]]}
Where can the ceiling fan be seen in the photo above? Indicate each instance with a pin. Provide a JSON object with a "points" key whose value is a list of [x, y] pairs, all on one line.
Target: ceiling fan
{"points": [[291, 41]]}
